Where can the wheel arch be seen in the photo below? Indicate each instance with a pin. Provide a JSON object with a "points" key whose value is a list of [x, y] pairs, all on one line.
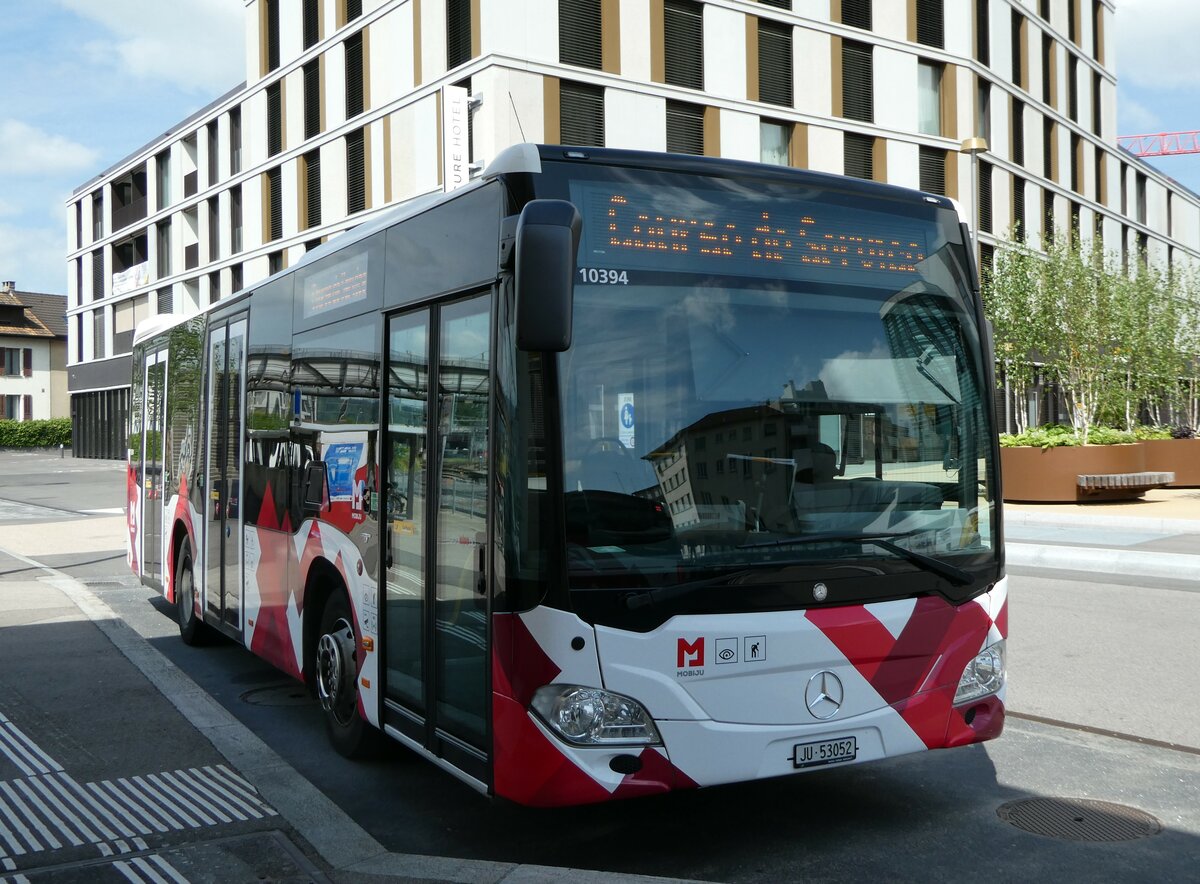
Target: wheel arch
{"points": [[322, 582], [179, 536]]}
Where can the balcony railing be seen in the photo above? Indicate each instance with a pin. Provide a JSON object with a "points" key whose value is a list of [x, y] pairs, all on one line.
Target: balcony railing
{"points": [[123, 216], [191, 256], [191, 184]]}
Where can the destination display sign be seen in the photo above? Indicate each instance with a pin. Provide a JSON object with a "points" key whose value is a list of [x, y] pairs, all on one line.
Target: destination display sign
{"points": [[342, 283], [635, 226]]}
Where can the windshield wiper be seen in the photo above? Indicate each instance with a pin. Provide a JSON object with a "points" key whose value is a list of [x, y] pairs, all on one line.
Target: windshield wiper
{"points": [[954, 574]]}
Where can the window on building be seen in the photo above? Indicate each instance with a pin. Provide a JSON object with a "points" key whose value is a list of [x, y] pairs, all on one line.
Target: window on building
{"points": [[1140, 194], [1049, 141], [579, 33], [1098, 31], [1098, 170], [312, 99], [1018, 49], [1073, 21], [1097, 115], [985, 197], [165, 300], [929, 103], [778, 4], [191, 174], [458, 32], [1047, 215], [214, 229], [775, 143], [858, 82], [275, 204], [983, 38], [1076, 163], [12, 408], [235, 278], [930, 15], [1048, 72], [16, 362], [97, 215], [162, 247], [310, 11], [274, 119], [685, 127], [1073, 89], [354, 9], [683, 39], [98, 351], [581, 114], [235, 219], [162, 177], [857, 14], [356, 172], [272, 14], [235, 140], [1018, 209], [212, 144], [98, 275], [355, 84], [932, 162], [858, 155], [774, 62], [214, 286], [310, 169], [275, 262], [1044, 9], [1018, 131]]}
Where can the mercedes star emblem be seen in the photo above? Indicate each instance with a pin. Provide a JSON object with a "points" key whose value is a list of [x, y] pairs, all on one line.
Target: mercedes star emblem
{"points": [[820, 592], [824, 695]]}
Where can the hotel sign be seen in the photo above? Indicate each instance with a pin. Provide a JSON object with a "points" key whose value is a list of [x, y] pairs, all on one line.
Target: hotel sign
{"points": [[456, 147]]}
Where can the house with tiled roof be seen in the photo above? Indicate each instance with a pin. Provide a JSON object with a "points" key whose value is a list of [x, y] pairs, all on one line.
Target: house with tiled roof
{"points": [[33, 355]]}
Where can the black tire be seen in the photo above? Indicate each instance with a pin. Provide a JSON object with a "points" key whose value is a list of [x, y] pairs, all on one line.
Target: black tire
{"points": [[192, 629], [336, 678]]}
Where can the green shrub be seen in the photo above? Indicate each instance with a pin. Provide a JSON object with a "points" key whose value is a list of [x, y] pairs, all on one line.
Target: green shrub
{"points": [[35, 434], [1143, 433], [1058, 436]]}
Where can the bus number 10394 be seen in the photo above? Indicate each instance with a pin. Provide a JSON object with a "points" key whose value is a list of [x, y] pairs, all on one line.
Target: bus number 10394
{"points": [[603, 277]]}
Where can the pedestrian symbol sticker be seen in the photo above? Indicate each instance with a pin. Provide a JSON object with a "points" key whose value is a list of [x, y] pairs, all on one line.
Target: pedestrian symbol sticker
{"points": [[754, 648], [625, 419]]}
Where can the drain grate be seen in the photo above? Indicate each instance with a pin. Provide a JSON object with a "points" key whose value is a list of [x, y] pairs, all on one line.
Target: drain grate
{"points": [[286, 694], [1079, 819]]}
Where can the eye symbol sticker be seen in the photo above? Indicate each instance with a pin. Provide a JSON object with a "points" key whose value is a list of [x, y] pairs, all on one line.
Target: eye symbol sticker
{"points": [[727, 650], [727, 654]]}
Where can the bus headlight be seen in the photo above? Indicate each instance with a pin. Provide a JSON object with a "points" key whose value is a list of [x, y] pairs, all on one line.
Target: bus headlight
{"points": [[982, 676], [594, 717]]}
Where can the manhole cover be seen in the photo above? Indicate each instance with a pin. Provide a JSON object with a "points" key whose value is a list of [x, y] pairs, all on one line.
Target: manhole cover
{"points": [[286, 694], [1079, 819]]}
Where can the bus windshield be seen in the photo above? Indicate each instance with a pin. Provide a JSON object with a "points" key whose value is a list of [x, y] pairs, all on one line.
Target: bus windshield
{"points": [[768, 388]]}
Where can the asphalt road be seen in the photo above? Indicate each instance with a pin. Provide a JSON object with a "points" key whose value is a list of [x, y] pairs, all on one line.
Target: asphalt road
{"points": [[1103, 683]]}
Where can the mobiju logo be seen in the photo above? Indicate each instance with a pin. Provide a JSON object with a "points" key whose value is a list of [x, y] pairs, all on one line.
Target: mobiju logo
{"points": [[690, 653]]}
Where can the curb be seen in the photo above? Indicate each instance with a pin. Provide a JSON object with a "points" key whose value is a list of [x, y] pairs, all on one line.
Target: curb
{"points": [[338, 839], [1131, 523], [1103, 560]]}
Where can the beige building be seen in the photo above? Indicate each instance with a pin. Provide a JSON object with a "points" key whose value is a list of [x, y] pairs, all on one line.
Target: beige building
{"points": [[344, 108], [33, 355]]}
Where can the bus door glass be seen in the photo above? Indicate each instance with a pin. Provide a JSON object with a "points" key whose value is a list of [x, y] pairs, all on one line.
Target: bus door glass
{"points": [[153, 472], [223, 479], [437, 466]]}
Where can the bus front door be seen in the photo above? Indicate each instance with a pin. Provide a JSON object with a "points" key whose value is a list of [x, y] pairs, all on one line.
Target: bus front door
{"points": [[154, 472], [436, 499], [223, 472]]}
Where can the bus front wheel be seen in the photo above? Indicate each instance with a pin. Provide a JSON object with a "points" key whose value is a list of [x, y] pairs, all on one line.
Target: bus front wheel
{"points": [[337, 677]]}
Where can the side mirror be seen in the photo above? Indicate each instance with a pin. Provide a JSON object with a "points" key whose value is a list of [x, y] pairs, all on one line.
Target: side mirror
{"points": [[312, 492], [547, 241]]}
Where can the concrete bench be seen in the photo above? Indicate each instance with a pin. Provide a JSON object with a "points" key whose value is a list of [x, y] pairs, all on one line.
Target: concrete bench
{"points": [[1120, 486]]}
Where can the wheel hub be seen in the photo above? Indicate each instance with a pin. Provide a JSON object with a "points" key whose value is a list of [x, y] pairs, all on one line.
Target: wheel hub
{"points": [[335, 671]]}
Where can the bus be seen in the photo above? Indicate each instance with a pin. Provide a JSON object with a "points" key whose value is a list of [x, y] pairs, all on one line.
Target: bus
{"points": [[607, 474]]}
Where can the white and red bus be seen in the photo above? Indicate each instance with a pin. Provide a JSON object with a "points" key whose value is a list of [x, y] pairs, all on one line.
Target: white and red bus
{"points": [[608, 474]]}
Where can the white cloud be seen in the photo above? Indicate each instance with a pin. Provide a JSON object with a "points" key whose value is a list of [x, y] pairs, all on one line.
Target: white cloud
{"points": [[1134, 117], [26, 150], [1156, 41], [196, 45]]}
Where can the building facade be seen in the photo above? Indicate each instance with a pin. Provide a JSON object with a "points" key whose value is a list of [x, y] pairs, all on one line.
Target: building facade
{"points": [[343, 112], [33, 355]]}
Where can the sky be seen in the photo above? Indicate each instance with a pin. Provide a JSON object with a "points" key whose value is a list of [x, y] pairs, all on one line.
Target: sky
{"points": [[85, 83]]}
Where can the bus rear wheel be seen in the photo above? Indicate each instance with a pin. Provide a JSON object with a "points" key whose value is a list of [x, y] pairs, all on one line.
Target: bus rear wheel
{"points": [[337, 682], [192, 629]]}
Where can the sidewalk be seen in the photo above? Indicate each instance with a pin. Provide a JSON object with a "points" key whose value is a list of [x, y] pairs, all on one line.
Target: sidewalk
{"points": [[1157, 536]]}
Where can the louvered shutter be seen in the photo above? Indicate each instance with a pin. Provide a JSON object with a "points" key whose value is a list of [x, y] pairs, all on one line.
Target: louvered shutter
{"points": [[97, 274], [27, 362], [312, 185], [27, 407], [272, 34], [275, 185], [685, 128], [353, 9], [354, 76], [581, 114], [985, 197], [857, 14], [929, 23], [579, 33], [166, 301], [1019, 209], [933, 170], [859, 155], [458, 32], [311, 19], [312, 99], [778, 4], [858, 82], [774, 63], [1018, 132], [683, 34], [983, 33], [274, 120], [356, 172]]}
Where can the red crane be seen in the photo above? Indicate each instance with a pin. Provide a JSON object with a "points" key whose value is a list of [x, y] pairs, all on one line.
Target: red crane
{"points": [[1164, 144]]}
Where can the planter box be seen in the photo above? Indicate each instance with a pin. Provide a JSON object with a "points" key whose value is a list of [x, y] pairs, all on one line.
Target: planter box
{"points": [[1049, 476], [1180, 456]]}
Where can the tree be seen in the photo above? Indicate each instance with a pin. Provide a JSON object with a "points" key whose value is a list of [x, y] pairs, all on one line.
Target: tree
{"points": [[1011, 297]]}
